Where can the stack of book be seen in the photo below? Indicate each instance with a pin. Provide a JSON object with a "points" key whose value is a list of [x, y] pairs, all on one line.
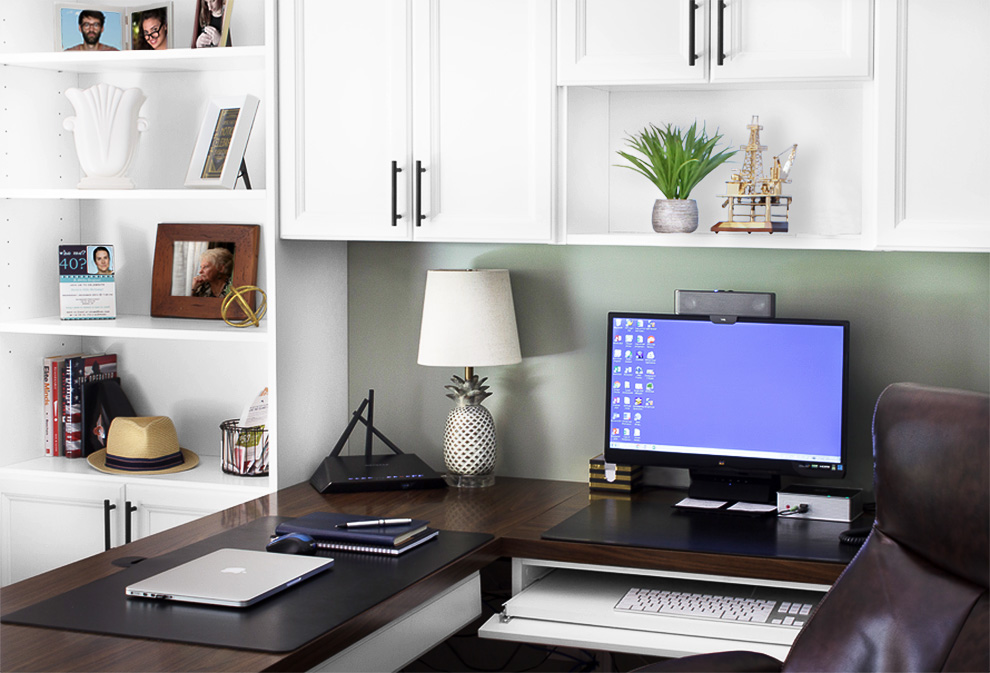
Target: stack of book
{"points": [[349, 532], [76, 419]]}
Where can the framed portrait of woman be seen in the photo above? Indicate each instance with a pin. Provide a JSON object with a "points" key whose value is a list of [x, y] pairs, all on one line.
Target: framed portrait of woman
{"points": [[149, 27], [198, 265], [211, 24]]}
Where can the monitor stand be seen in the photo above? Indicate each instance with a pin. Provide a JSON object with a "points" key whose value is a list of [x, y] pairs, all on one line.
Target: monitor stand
{"points": [[732, 486]]}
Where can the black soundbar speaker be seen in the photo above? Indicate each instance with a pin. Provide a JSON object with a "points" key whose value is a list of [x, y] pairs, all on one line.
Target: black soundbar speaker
{"points": [[725, 303]]}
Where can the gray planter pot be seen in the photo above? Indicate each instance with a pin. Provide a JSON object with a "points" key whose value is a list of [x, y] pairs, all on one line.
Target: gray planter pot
{"points": [[675, 216]]}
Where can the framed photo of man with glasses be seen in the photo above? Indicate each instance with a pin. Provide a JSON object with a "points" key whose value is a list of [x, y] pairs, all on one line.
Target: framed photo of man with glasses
{"points": [[86, 27], [149, 27]]}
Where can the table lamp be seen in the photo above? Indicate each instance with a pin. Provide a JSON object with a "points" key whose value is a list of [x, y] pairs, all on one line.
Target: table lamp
{"points": [[469, 321]]}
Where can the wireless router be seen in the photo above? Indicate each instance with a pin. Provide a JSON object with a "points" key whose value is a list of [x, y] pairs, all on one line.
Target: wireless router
{"points": [[389, 472]]}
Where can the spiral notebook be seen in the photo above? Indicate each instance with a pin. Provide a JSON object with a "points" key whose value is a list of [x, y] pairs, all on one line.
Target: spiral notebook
{"points": [[331, 545]]}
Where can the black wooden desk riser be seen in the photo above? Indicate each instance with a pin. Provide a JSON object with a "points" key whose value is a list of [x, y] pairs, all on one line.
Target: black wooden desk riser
{"points": [[281, 623], [648, 520]]}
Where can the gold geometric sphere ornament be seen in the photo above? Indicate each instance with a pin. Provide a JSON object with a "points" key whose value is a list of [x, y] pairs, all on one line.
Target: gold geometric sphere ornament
{"points": [[252, 317]]}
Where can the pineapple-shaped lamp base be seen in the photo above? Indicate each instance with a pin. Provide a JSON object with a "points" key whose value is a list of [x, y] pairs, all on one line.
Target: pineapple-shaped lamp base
{"points": [[469, 445]]}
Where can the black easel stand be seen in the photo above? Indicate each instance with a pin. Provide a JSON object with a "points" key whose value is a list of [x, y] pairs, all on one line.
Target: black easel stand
{"points": [[389, 472], [243, 173]]}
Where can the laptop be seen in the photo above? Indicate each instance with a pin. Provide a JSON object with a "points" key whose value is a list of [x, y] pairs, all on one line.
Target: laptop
{"points": [[230, 577]]}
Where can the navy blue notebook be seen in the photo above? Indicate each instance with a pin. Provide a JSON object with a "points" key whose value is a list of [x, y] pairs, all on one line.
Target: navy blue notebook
{"points": [[325, 526]]}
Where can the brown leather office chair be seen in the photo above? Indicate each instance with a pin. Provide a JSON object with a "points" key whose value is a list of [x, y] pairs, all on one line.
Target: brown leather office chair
{"points": [[915, 596]]}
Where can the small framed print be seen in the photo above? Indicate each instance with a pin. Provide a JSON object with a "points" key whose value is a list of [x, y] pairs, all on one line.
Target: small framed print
{"points": [[223, 137], [148, 27], [197, 265], [211, 27], [86, 27]]}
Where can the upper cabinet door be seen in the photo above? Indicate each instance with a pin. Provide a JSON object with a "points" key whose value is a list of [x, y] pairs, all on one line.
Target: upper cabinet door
{"points": [[621, 42], [343, 89], [933, 72], [482, 119], [601, 42], [762, 40]]}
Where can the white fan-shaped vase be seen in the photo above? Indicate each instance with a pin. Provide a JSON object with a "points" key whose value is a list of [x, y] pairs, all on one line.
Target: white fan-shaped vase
{"points": [[106, 128]]}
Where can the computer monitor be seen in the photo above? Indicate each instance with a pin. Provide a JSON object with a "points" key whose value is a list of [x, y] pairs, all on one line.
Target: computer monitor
{"points": [[737, 402]]}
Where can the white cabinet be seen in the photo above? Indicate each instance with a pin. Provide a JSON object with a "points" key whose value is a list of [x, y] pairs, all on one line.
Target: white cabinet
{"points": [[933, 96], [197, 372], [416, 120], [56, 516], [617, 42], [631, 41]]}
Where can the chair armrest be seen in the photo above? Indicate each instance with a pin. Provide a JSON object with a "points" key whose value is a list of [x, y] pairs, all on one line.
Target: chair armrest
{"points": [[718, 662]]}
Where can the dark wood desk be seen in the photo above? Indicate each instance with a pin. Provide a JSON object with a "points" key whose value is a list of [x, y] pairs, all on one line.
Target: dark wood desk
{"points": [[514, 511]]}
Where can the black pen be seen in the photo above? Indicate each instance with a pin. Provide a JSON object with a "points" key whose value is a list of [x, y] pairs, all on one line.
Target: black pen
{"points": [[374, 522]]}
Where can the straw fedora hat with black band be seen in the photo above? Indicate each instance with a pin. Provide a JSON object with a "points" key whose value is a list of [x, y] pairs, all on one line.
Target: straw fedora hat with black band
{"points": [[143, 445]]}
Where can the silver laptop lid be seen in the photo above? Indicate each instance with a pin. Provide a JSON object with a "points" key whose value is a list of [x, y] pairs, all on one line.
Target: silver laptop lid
{"points": [[230, 577]]}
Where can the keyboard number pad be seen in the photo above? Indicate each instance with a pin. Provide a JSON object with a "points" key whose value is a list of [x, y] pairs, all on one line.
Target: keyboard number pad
{"points": [[791, 614]]}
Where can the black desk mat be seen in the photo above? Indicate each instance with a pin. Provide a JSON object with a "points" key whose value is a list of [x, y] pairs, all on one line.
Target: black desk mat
{"points": [[281, 623], [653, 523]]}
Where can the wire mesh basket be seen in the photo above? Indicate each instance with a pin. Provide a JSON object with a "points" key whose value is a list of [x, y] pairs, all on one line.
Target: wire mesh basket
{"points": [[243, 451]]}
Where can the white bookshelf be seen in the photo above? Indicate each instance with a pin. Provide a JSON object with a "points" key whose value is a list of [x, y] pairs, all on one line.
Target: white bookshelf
{"points": [[197, 372]]}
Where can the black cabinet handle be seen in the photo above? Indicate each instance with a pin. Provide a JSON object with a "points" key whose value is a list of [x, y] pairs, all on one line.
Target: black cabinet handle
{"points": [[419, 193], [692, 10], [107, 506], [720, 47], [128, 508], [395, 186]]}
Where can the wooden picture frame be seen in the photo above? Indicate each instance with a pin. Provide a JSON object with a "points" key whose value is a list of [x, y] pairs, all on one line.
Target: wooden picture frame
{"points": [[179, 251], [68, 36], [223, 137]]}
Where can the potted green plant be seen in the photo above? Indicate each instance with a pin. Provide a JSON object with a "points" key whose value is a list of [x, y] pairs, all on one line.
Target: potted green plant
{"points": [[675, 162]]}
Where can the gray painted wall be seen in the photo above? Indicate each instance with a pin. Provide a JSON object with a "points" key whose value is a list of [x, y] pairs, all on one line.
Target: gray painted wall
{"points": [[311, 322], [921, 317]]}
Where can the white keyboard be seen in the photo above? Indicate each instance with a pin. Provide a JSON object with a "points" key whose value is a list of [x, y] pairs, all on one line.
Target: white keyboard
{"points": [[726, 607]]}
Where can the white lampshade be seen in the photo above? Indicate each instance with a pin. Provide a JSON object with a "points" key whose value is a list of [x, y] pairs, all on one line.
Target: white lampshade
{"points": [[468, 319]]}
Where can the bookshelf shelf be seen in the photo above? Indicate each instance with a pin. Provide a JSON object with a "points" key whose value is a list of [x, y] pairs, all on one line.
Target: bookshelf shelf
{"points": [[139, 327], [175, 60], [208, 472], [136, 194]]}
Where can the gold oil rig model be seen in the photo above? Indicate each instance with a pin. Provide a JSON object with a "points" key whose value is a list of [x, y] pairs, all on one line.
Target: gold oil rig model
{"points": [[753, 201]]}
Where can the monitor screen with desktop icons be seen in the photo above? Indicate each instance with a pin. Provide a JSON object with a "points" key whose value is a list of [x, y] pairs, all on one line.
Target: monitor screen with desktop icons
{"points": [[752, 394]]}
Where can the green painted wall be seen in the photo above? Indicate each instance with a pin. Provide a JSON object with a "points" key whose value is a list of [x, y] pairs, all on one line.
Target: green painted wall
{"points": [[921, 317]]}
